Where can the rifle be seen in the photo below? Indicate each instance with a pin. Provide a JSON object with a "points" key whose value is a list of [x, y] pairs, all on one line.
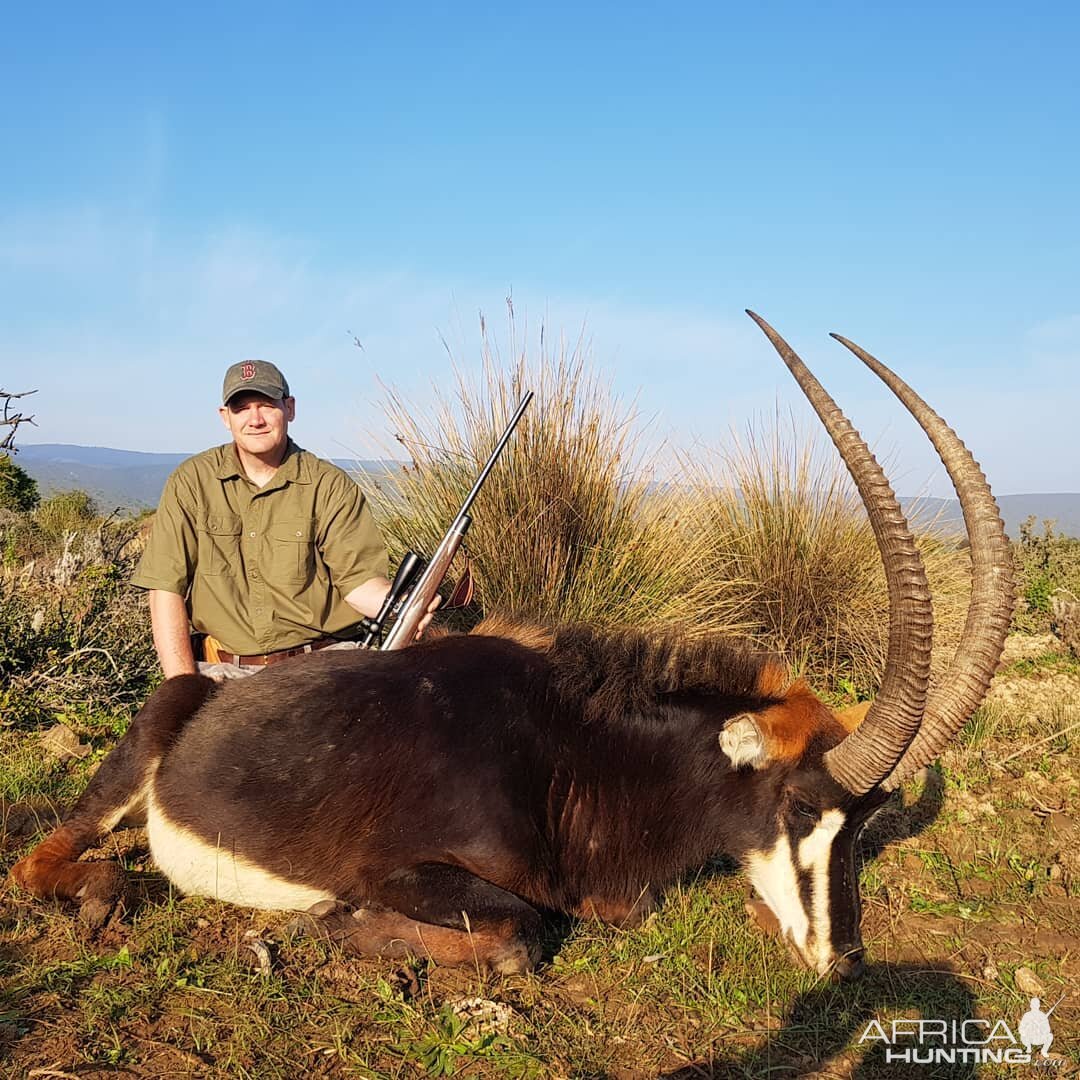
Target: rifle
{"points": [[415, 584]]}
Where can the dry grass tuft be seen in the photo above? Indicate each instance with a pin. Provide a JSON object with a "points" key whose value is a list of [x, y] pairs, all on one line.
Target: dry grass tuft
{"points": [[565, 526], [792, 561]]}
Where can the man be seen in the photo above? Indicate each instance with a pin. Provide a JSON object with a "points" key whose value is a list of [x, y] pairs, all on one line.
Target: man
{"points": [[261, 546]]}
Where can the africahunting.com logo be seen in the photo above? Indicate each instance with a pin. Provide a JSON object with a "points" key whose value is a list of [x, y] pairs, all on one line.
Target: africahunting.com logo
{"points": [[968, 1042]]}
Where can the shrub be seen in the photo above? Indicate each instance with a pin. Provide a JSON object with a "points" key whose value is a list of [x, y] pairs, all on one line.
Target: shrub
{"points": [[1047, 566], [18, 490], [73, 634], [64, 512]]}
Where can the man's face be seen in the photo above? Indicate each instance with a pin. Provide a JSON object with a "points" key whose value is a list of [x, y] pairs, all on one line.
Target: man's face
{"points": [[258, 424]]}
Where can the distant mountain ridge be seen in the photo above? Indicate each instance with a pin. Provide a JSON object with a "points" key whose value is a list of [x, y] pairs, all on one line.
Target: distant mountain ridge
{"points": [[127, 479], [132, 479]]}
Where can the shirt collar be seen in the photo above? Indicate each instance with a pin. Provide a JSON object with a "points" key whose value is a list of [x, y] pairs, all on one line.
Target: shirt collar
{"points": [[292, 470]]}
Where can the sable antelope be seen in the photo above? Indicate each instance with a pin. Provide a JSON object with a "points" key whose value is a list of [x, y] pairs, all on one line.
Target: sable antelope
{"points": [[435, 800]]}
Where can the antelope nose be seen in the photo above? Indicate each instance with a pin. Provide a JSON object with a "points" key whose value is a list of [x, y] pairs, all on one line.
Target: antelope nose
{"points": [[851, 965]]}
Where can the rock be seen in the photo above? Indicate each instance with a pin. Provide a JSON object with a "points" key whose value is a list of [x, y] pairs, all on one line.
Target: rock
{"points": [[913, 865], [1027, 982], [481, 1016], [60, 743]]}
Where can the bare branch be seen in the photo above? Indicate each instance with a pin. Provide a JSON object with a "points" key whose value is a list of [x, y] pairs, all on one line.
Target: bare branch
{"points": [[13, 419]]}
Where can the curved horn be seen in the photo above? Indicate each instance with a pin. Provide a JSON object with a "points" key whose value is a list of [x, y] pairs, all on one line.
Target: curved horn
{"points": [[871, 751], [965, 684]]}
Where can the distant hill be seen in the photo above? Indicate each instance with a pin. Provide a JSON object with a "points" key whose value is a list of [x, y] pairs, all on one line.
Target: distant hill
{"points": [[128, 479], [1063, 508], [133, 480]]}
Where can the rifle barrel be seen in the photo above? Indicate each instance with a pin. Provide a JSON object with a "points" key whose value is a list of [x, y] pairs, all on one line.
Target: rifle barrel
{"points": [[494, 455]]}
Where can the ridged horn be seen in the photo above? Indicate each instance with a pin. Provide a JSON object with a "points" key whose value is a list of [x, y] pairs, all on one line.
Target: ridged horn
{"points": [[958, 695], [870, 753]]}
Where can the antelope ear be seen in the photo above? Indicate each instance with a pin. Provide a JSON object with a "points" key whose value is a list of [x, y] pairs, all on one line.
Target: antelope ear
{"points": [[743, 742], [853, 715]]}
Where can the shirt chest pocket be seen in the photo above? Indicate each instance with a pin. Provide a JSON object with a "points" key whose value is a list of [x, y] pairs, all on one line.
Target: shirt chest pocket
{"points": [[292, 550], [219, 544]]}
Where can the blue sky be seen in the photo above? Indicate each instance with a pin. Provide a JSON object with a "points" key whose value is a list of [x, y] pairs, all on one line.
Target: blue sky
{"points": [[183, 188]]}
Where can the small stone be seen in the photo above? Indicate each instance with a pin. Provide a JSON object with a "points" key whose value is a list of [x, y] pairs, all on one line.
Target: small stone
{"points": [[23, 819], [202, 924], [990, 972], [9, 1032], [60, 742], [1027, 982], [481, 1016], [913, 865]]}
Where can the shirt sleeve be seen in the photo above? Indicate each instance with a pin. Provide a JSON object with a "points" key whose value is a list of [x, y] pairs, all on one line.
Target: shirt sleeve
{"points": [[350, 543], [168, 560]]}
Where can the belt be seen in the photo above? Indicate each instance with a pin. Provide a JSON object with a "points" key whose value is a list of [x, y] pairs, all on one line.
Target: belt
{"points": [[266, 659]]}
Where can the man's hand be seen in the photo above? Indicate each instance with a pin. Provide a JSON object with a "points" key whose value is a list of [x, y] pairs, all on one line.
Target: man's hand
{"points": [[172, 633], [426, 620]]}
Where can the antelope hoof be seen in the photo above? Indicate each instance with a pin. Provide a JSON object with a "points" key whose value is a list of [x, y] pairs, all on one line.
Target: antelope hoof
{"points": [[105, 894]]}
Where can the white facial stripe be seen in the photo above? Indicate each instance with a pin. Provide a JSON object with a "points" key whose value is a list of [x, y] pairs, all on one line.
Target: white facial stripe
{"points": [[773, 875], [201, 869], [776, 877], [814, 853]]}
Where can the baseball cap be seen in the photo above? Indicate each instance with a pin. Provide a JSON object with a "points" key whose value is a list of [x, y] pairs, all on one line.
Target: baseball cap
{"points": [[258, 375]]}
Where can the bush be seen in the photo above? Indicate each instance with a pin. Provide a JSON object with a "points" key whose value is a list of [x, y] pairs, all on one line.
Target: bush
{"points": [[1047, 566], [564, 528], [64, 512], [18, 490], [73, 633]]}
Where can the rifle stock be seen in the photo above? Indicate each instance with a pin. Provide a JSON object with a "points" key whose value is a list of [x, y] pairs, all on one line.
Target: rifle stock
{"points": [[403, 632]]}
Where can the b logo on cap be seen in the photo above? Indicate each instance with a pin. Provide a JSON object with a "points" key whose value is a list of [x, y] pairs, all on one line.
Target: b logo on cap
{"points": [[247, 371]]}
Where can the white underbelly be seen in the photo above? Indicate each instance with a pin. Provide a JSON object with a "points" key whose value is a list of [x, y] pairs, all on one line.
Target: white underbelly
{"points": [[201, 869]]}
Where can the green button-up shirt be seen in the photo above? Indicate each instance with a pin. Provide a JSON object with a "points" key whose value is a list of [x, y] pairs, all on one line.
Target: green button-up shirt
{"points": [[262, 568]]}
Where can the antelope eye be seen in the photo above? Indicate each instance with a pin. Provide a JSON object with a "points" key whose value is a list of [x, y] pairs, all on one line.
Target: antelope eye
{"points": [[803, 809]]}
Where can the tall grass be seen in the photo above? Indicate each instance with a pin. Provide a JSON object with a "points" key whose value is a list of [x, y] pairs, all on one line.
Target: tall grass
{"points": [[565, 527], [792, 561], [767, 538]]}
